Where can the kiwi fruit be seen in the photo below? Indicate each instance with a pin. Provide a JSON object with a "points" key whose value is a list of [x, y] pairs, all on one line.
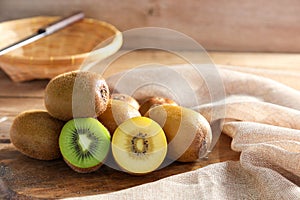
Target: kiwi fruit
{"points": [[188, 132], [116, 113], [76, 94], [139, 146], [84, 144], [35, 133], [128, 99], [155, 101]]}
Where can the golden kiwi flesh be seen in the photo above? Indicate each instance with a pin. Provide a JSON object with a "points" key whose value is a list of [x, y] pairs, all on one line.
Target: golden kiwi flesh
{"points": [[128, 99], [76, 94], [116, 113], [155, 101], [188, 132], [139, 146], [35, 133]]}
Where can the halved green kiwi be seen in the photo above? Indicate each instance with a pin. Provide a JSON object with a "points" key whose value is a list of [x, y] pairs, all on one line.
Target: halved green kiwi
{"points": [[84, 144]]}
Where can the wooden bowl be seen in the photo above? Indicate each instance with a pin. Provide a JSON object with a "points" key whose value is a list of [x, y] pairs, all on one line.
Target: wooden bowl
{"points": [[57, 53]]}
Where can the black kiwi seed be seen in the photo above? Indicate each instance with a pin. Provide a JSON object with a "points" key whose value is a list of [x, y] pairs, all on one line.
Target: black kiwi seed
{"points": [[104, 93], [134, 148]]}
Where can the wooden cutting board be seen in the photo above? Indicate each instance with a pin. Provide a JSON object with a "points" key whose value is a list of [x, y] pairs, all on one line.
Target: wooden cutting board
{"points": [[24, 178]]}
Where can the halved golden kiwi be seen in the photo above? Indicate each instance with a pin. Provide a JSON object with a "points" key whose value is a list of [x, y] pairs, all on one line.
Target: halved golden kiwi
{"points": [[139, 145]]}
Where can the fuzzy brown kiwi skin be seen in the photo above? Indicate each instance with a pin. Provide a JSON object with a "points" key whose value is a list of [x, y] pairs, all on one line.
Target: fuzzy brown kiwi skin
{"points": [[84, 170], [199, 146], [128, 99], [200, 143], [35, 134], [86, 92], [155, 101], [114, 116]]}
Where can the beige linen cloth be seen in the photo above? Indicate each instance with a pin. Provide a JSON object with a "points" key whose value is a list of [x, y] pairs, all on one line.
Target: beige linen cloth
{"points": [[263, 119]]}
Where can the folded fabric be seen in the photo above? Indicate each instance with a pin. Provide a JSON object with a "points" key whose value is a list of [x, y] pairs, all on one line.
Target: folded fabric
{"points": [[261, 115]]}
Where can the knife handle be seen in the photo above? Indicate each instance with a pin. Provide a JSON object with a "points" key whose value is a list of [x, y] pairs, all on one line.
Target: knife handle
{"points": [[61, 23]]}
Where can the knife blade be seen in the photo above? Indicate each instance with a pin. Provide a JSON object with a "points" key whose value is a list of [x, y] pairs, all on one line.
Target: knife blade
{"points": [[44, 31]]}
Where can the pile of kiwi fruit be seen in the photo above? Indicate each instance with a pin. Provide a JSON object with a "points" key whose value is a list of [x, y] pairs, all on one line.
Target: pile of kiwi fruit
{"points": [[84, 124]]}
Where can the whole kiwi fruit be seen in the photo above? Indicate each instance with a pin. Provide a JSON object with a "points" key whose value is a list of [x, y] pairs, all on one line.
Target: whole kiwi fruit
{"points": [[188, 132], [35, 133], [128, 99], [76, 94], [155, 101], [116, 113]]}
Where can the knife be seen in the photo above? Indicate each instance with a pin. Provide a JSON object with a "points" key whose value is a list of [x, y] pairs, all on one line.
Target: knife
{"points": [[42, 32]]}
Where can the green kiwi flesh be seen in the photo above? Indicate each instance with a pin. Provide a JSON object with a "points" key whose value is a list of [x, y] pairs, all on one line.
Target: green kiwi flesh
{"points": [[84, 144]]}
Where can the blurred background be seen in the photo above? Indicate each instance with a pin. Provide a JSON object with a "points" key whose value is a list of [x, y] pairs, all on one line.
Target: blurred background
{"points": [[219, 25]]}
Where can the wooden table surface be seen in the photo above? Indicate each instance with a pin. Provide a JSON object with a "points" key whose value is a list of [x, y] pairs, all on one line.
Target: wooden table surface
{"points": [[22, 177]]}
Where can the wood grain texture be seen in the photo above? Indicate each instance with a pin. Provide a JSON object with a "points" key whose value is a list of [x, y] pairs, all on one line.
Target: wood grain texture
{"points": [[281, 67], [257, 25], [5, 123], [8, 88], [290, 63], [13, 106], [32, 178]]}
